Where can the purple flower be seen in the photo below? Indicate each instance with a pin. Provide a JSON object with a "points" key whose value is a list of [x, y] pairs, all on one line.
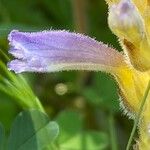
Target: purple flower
{"points": [[50, 51]]}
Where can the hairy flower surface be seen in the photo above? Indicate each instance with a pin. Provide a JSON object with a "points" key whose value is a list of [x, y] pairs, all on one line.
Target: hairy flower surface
{"points": [[51, 51]]}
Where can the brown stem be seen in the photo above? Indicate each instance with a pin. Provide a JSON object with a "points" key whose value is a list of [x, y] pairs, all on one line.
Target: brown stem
{"points": [[79, 12]]}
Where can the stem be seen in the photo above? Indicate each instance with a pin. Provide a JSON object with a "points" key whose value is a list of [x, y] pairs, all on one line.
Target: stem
{"points": [[79, 12], [136, 121], [113, 138]]}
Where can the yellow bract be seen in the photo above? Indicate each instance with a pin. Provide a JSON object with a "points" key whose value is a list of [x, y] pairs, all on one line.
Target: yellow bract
{"points": [[132, 85], [141, 5], [138, 53], [130, 21]]}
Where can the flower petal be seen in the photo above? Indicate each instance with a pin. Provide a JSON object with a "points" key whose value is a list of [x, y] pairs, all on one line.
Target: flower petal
{"points": [[50, 51]]}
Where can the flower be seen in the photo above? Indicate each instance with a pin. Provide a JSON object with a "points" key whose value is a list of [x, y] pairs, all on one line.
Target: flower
{"points": [[51, 51], [60, 50]]}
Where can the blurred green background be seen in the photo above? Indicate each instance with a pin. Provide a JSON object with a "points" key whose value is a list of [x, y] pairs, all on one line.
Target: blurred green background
{"points": [[79, 101]]}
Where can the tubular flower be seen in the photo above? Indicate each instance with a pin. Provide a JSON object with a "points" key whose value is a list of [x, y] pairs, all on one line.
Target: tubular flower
{"points": [[51, 51]]}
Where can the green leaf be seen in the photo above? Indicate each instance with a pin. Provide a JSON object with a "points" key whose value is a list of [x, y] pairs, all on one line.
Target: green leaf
{"points": [[70, 124], [32, 130], [74, 137], [2, 136], [86, 141]]}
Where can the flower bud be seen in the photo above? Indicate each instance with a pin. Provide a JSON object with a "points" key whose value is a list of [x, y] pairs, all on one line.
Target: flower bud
{"points": [[126, 22]]}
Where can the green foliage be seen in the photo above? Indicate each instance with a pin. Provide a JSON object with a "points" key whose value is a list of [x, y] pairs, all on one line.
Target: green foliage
{"points": [[7, 110], [70, 124], [90, 96], [73, 136], [86, 140], [30, 130], [2, 136], [17, 87], [103, 92]]}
